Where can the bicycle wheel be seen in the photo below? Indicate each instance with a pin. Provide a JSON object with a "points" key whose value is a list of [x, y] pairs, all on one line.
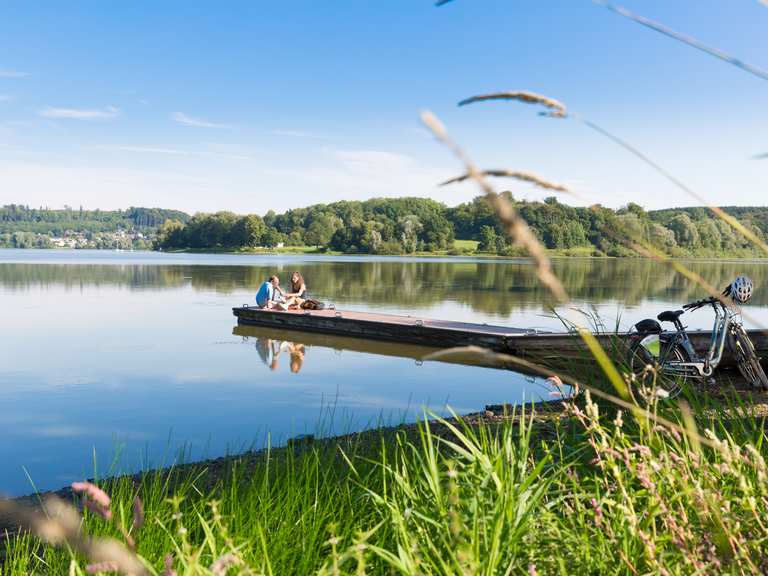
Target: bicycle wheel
{"points": [[640, 357], [747, 361]]}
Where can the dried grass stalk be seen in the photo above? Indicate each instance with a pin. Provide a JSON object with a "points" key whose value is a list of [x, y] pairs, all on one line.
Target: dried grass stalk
{"points": [[648, 251], [514, 225], [517, 228], [685, 39], [529, 97], [524, 176], [558, 109], [719, 212]]}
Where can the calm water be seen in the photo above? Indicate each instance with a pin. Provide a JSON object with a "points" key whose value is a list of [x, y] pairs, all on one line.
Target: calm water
{"points": [[133, 356]]}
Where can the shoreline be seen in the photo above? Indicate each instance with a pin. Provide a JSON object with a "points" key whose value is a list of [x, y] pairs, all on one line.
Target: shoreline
{"points": [[301, 251], [545, 410], [212, 470]]}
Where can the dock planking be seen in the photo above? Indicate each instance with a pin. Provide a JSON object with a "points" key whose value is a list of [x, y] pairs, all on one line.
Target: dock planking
{"points": [[541, 346]]}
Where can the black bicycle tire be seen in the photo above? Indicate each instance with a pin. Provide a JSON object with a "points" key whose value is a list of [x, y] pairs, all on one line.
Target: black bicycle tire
{"points": [[661, 378], [746, 359]]}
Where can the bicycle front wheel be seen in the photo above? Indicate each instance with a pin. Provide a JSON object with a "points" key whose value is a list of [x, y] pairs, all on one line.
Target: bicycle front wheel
{"points": [[747, 361], [642, 356]]}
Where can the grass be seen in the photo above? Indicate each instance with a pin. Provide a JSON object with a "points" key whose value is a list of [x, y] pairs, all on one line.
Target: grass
{"points": [[466, 245], [591, 491]]}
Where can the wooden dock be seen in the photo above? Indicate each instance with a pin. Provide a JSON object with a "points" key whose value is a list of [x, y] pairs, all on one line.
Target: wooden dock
{"points": [[540, 346]]}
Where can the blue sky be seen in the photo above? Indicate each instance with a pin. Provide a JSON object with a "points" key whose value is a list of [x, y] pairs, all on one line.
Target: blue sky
{"points": [[250, 106]]}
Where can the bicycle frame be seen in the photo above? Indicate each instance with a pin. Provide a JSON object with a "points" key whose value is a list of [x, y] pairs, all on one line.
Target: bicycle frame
{"points": [[698, 366]]}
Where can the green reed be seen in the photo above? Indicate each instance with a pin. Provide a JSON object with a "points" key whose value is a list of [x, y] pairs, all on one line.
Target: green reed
{"points": [[586, 491]]}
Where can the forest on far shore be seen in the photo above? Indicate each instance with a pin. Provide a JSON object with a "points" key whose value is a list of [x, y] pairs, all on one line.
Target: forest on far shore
{"points": [[389, 226], [418, 225]]}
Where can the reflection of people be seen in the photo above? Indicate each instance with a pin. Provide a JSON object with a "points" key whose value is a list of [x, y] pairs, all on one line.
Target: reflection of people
{"points": [[270, 295], [263, 347], [276, 347], [297, 357], [269, 351], [298, 292]]}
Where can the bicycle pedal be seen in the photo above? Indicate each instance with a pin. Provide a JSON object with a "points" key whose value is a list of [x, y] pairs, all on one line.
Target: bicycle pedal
{"points": [[710, 381]]}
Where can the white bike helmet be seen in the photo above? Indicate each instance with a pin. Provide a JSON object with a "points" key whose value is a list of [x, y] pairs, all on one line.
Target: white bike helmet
{"points": [[741, 289]]}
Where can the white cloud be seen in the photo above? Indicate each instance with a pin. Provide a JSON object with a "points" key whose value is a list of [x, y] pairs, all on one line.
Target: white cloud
{"points": [[172, 152], [295, 133], [12, 74], [360, 174], [79, 114], [144, 150], [182, 118]]}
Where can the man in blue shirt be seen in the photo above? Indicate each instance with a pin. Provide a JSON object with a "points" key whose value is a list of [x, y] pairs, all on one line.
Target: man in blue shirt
{"points": [[270, 295]]}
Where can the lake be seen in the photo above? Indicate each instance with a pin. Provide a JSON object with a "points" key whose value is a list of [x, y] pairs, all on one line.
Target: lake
{"points": [[110, 361]]}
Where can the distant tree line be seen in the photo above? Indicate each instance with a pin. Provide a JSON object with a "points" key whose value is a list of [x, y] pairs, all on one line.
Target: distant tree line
{"points": [[409, 225], [396, 226], [25, 227], [377, 226]]}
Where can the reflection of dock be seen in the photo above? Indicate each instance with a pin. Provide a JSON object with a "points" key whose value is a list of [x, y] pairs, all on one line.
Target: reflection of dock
{"points": [[382, 348], [545, 347]]}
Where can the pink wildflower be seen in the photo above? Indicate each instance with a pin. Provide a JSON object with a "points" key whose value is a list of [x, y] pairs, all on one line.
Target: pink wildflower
{"points": [[94, 498], [93, 492], [598, 512], [169, 571]]}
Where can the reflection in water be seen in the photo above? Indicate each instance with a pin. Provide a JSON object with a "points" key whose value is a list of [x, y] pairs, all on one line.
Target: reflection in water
{"points": [[270, 350], [497, 288], [270, 343]]}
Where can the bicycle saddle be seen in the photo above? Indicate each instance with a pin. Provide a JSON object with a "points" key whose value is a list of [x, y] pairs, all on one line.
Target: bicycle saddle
{"points": [[670, 315]]}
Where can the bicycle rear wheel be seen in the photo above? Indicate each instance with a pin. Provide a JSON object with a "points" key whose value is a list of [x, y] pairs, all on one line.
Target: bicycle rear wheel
{"points": [[747, 361], [640, 357]]}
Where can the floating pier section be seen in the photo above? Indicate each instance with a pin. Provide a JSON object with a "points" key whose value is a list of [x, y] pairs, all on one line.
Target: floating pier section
{"points": [[541, 346]]}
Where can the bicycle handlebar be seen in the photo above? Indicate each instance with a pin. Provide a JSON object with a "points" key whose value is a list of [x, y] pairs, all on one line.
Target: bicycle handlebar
{"points": [[700, 303]]}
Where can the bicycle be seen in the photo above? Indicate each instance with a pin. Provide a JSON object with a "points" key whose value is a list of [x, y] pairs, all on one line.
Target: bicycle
{"points": [[674, 358]]}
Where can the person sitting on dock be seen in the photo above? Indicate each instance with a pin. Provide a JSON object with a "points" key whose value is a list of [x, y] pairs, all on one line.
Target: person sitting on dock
{"points": [[298, 292], [271, 296]]}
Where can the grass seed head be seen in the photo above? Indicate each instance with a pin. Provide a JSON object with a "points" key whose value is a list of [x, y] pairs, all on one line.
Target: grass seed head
{"points": [[524, 176], [557, 109]]}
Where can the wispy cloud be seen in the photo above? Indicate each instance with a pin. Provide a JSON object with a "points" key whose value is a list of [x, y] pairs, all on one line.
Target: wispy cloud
{"points": [[12, 74], [5, 97], [763, 156], [295, 134], [171, 152], [79, 114], [144, 150], [358, 173], [182, 118]]}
